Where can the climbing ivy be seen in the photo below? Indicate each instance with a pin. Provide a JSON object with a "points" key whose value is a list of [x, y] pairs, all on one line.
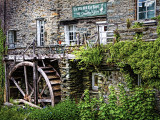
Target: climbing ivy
{"points": [[2, 51], [142, 57]]}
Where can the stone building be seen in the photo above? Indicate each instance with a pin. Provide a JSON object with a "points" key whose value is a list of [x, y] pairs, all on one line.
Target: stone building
{"points": [[55, 27]]}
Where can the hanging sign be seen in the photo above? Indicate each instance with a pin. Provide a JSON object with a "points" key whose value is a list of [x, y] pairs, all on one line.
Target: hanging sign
{"points": [[89, 10]]}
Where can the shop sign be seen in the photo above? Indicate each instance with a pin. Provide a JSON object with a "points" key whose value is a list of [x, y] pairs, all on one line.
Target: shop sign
{"points": [[89, 10]]}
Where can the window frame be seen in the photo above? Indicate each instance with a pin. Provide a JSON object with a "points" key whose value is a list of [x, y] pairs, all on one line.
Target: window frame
{"points": [[14, 38], [67, 34], [95, 88], [146, 11], [106, 32], [40, 32]]}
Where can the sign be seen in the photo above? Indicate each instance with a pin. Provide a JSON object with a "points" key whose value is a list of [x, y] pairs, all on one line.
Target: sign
{"points": [[89, 10]]}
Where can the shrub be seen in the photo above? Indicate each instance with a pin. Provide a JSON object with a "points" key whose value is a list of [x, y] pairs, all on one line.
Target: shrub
{"points": [[12, 113], [41, 114], [88, 107], [66, 110]]}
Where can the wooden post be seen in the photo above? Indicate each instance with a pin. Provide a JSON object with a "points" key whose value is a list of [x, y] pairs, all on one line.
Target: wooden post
{"points": [[35, 85], [6, 84]]}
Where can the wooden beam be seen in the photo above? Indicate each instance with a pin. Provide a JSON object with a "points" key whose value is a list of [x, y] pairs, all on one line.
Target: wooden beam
{"points": [[26, 80], [35, 82], [19, 88], [26, 102], [6, 84]]}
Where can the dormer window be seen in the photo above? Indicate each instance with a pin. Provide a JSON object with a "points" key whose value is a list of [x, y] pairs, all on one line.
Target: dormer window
{"points": [[146, 9]]}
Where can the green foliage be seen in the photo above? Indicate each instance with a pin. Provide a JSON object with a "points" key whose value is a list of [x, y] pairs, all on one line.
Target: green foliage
{"points": [[2, 76], [137, 25], [89, 56], [128, 23], [137, 103], [158, 28], [117, 35], [40, 114], [143, 57], [13, 113], [66, 110], [88, 108]]}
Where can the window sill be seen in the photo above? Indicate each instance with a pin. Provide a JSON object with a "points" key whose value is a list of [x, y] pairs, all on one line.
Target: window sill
{"points": [[147, 22]]}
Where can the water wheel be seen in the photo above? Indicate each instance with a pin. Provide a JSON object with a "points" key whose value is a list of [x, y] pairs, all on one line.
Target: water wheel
{"points": [[21, 84]]}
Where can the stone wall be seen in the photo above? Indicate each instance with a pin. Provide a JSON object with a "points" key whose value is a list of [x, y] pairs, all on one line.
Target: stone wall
{"points": [[149, 33], [117, 11], [2, 13], [21, 16]]}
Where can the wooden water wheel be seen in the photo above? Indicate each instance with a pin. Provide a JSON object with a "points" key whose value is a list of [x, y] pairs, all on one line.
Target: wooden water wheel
{"points": [[21, 84]]}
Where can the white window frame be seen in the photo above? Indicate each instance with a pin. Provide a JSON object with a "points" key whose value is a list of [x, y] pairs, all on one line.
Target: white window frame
{"points": [[67, 35], [11, 39], [93, 80], [146, 17], [40, 32], [103, 24]]}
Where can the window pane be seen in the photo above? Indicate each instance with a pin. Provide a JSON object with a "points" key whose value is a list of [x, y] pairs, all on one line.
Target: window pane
{"points": [[71, 28], [70, 35], [151, 6], [11, 37], [150, 14], [142, 15], [142, 7], [105, 28]]}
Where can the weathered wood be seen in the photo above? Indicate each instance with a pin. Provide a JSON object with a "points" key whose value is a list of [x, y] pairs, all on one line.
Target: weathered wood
{"points": [[26, 102], [26, 80], [49, 85], [6, 84], [26, 63], [43, 100], [42, 74], [19, 88], [43, 90], [35, 82]]}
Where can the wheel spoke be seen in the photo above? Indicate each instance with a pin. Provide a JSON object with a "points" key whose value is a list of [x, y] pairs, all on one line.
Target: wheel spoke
{"points": [[43, 90], [19, 88], [32, 88]]}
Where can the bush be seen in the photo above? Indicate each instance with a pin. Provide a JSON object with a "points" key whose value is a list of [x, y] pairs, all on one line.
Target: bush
{"points": [[13, 113], [88, 107], [41, 114], [66, 110], [136, 104]]}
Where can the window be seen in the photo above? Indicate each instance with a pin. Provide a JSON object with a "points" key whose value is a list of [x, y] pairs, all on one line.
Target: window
{"points": [[105, 36], [11, 38], [40, 32], [70, 35], [97, 80], [146, 9]]}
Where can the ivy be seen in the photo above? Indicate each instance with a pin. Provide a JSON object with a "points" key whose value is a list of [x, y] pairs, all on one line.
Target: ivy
{"points": [[2, 51], [143, 57]]}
